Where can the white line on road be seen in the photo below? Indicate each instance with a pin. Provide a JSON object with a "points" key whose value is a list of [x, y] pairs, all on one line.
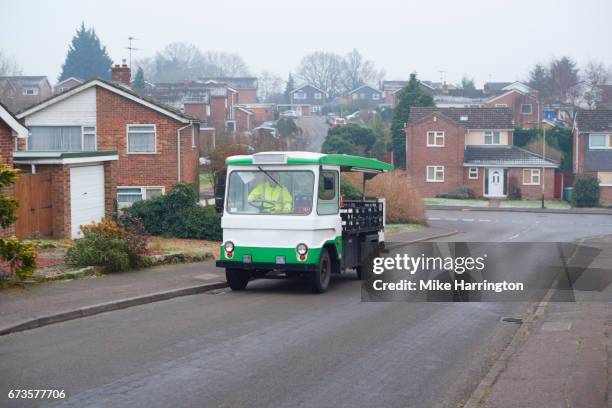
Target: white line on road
{"points": [[451, 219], [484, 220], [513, 237], [434, 218], [467, 219]]}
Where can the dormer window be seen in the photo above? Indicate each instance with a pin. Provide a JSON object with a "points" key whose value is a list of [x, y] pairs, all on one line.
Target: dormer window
{"points": [[30, 91]]}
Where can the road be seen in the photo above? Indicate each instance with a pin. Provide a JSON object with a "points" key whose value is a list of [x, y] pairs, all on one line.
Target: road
{"points": [[316, 130], [276, 345]]}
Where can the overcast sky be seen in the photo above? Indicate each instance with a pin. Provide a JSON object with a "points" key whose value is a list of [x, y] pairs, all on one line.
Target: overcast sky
{"points": [[497, 40]]}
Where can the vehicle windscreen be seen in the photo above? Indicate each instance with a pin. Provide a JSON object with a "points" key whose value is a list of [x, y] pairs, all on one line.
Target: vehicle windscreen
{"points": [[286, 192]]}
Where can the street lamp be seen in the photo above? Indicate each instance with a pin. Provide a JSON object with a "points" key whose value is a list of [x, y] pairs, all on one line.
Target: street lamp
{"points": [[543, 158]]}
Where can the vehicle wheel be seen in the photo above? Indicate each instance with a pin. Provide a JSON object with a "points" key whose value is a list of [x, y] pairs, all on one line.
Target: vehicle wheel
{"points": [[320, 278], [237, 279], [364, 271]]}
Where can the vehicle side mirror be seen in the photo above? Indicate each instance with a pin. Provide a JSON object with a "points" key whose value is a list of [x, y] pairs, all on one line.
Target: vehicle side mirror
{"points": [[328, 182]]}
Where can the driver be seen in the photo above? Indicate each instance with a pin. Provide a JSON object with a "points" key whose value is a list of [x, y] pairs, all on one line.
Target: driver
{"points": [[270, 196]]}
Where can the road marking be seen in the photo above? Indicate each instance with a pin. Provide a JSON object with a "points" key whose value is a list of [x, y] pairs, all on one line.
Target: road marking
{"points": [[434, 218], [451, 219], [484, 220], [467, 219], [513, 237]]}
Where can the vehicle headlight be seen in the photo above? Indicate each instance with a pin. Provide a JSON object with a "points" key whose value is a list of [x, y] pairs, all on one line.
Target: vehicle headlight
{"points": [[228, 246], [301, 249]]}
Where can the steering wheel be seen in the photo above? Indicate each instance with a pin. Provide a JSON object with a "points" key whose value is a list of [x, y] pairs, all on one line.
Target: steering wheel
{"points": [[265, 205]]}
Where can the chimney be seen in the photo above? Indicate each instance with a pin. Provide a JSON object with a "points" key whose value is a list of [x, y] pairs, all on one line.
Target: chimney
{"points": [[121, 73]]}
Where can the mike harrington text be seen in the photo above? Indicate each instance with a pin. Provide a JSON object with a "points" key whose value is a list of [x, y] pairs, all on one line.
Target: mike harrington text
{"points": [[437, 285]]}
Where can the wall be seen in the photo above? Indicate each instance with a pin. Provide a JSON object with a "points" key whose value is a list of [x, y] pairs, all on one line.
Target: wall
{"points": [[217, 113], [78, 110], [247, 96], [476, 184], [7, 143], [534, 192], [514, 100], [160, 169], [450, 156]]}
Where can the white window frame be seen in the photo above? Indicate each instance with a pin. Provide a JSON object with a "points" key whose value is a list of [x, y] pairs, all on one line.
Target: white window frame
{"points": [[532, 173], [318, 95], [501, 105], [143, 193], [30, 88], [530, 109], [127, 137], [602, 184], [193, 138], [436, 169], [492, 133], [299, 95], [436, 135], [95, 134], [471, 174], [375, 97], [607, 140]]}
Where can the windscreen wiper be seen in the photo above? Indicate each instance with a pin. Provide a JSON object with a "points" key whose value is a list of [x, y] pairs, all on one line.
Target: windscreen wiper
{"points": [[269, 176]]}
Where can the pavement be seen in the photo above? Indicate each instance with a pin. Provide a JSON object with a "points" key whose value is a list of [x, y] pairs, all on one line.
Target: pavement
{"points": [[315, 128], [560, 359], [573, 210], [276, 344]]}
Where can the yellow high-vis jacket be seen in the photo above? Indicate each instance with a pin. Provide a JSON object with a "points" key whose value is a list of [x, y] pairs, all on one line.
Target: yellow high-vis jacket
{"points": [[283, 202]]}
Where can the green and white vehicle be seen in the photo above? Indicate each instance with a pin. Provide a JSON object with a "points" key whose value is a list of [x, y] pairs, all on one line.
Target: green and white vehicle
{"points": [[284, 215]]}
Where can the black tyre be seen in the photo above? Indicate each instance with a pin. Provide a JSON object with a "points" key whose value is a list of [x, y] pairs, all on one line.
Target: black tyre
{"points": [[237, 279], [364, 271], [319, 279]]}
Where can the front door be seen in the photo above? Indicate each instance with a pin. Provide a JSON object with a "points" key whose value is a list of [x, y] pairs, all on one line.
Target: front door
{"points": [[496, 182]]}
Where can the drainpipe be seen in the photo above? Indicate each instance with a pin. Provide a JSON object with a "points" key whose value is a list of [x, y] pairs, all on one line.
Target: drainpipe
{"points": [[178, 149]]}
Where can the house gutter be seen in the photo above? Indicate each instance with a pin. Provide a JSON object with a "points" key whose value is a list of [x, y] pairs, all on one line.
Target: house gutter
{"points": [[178, 149]]}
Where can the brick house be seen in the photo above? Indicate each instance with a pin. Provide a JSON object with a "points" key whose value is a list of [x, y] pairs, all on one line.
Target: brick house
{"points": [[66, 84], [246, 87], [19, 92], [365, 96], [451, 147], [308, 96], [390, 89], [100, 143], [11, 130], [526, 109], [592, 148]]}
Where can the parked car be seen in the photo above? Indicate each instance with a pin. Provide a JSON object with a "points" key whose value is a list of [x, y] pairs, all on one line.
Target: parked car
{"points": [[339, 122], [290, 114], [354, 115], [330, 117]]}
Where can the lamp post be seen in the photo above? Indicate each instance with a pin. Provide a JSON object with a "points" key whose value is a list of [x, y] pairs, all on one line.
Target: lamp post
{"points": [[544, 158]]}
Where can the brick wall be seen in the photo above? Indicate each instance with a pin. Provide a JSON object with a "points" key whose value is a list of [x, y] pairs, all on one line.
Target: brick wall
{"points": [[196, 109], [514, 100], [605, 196], [534, 192], [419, 156], [243, 120], [217, 113], [114, 113], [476, 184]]}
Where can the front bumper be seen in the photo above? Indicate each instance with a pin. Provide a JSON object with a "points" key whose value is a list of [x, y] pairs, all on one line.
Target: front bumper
{"points": [[267, 266]]}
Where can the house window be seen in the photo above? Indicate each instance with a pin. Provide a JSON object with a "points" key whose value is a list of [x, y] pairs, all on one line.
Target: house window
{"points": [[128, 195], [531, 177], [526, 109], [318, 95], [473, 173], [62, 138], [605, 178], [30, 91], [299, 95], [435, 174], [600, 141], [501, 105], [492, 137], [435, 139], [375, 96], [141, 139]]}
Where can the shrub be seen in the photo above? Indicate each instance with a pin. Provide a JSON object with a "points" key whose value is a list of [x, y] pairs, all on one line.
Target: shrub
{"points": [[586, 191], [196, 222], [403, 202], [177, 214], [514, 192], [116, 247], [348, 190], [461, 192]]}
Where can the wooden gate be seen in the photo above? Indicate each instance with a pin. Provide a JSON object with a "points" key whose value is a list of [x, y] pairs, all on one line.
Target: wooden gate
{"points": [[35, 211]]}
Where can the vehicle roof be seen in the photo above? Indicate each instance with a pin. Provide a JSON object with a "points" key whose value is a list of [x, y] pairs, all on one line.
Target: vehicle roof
{"points": [[345, 161]]}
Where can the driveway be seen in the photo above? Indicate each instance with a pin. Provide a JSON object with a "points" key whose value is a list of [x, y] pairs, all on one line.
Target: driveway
{"points": [[316, 129]]}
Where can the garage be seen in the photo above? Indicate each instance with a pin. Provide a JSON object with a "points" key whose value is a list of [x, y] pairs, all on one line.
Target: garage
{"points": [[86, 197]]}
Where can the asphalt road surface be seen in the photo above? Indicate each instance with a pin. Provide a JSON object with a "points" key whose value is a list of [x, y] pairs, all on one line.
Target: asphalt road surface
{"points": [[316, 130], [276, 345]]}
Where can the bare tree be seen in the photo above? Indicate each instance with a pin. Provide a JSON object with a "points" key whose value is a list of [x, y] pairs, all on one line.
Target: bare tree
{"points": [[8, 66], [323, 70], [268, 85], [595, 75], [358, 71], [220, 64]]}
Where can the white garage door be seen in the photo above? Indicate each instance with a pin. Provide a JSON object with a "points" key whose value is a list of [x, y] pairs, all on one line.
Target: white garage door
{"points": [[86, 196]]}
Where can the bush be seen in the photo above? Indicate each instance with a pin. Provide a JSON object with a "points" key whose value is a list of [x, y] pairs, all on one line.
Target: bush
{"points": [[116, 247], [403, 202], [514, 192], [461, 192], [348, 190], [586, 192], [177, 214], [196, 222]]}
